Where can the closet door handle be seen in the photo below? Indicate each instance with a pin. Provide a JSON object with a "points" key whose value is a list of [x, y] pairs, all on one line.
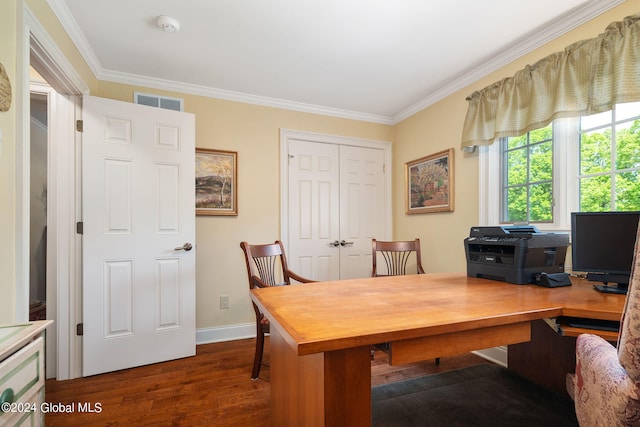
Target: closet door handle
{"points": [[334, 243], [343, 243]]}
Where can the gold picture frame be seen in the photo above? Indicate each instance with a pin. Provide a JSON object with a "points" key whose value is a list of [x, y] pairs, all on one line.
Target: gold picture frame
{"points": [[216, 182], [429, 185]]}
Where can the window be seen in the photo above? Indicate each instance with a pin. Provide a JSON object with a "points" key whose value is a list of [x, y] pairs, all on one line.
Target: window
{"points": [[527, 191], [610, 160], [590, 163]]}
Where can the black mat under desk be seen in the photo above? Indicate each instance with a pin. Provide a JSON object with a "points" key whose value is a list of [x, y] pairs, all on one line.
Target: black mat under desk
{"points": [[481, 395]]}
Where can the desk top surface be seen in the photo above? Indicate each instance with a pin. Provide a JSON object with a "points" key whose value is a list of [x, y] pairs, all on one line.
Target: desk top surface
{"points": [[323, 316]]}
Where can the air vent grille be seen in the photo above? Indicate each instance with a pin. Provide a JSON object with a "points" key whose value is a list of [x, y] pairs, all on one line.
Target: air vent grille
{"points": [[175, 104]]}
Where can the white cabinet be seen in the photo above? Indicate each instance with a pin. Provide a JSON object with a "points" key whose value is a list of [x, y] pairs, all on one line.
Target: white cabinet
{"points": [[22, 374]]}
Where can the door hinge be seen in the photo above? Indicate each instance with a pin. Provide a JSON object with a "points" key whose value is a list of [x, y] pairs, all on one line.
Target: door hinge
{"points": [[384, 168], [79, 125], [80, 227], [80, 329]]}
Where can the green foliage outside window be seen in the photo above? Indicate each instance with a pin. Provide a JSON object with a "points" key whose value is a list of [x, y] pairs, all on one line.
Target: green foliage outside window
{"points": [[529, 177], [608, 177]]}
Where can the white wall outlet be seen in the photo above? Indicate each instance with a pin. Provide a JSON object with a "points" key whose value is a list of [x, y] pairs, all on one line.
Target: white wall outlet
{"points": [[224, 301]]}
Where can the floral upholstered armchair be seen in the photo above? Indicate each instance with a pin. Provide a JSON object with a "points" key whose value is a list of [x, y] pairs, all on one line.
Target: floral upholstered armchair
{"points": [[606, 385]]}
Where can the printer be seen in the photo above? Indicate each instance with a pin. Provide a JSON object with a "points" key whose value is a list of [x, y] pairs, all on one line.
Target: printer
{"points": [[514, 254]]}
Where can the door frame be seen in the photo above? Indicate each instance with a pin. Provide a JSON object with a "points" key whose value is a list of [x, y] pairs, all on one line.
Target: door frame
{"points": [[287, 134], [35, 47]]}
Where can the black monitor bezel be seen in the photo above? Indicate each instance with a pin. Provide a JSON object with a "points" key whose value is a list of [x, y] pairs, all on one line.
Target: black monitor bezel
{"points": [[576, 266]]}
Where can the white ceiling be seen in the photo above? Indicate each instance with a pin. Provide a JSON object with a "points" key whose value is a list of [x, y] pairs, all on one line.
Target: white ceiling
{"points": [[373, 60]]}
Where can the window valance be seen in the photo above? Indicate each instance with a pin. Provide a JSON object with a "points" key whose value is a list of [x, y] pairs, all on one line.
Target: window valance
{"points": [[588, 77]]}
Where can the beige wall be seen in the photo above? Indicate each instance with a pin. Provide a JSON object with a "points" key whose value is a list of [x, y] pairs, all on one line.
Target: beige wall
{"points": [[7, 166], [253, 132], [440, 127], [441, 234]]}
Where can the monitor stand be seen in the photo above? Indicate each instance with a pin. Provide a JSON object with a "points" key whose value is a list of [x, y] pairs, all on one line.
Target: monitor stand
{"points": [[621, 282], [619, 289]]}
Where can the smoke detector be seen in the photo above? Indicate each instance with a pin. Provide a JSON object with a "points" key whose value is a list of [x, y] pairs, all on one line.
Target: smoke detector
{"points": [[168, 24]]}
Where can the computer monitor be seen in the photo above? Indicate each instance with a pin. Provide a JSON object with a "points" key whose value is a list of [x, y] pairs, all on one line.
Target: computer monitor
{"points": [[602, 245]]}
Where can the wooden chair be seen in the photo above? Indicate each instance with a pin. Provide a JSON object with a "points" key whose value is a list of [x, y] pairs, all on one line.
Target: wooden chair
{"points": [[606, 384], [266, 266], [396, 256]]}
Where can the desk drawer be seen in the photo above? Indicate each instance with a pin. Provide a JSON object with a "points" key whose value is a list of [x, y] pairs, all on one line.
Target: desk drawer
{"points": [[454, 343], [21, 382]]}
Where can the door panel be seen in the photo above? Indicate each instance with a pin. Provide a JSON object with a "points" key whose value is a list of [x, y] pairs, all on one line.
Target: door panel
{"points": [[362, 210], [336, 205], [314, 177], [138, 201]]}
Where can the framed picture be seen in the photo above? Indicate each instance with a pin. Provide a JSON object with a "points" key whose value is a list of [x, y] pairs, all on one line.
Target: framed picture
{"points": [[429, 183], [216, 182]]}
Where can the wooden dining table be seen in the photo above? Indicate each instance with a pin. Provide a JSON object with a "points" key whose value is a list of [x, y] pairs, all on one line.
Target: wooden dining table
{"points": [[322, 332]]}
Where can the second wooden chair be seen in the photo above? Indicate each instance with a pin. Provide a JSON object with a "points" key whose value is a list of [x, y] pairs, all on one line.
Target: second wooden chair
{"points": [[396, 256]]}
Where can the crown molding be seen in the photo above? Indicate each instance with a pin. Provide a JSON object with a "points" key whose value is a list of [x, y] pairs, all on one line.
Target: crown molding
{"points": [[199, 90], [525, 45], [62, 12]]}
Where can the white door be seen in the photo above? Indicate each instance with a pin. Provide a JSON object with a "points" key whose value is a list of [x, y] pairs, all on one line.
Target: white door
{"points": [[138, 201], [314, 215], [362, 208], [336, 206]]}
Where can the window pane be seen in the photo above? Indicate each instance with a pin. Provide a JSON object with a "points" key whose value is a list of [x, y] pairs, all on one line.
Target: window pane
{"points": [[627, 110], [528, 177], [541, 201], [628, 191], [517, 166], [628, 145], [595, 152], [516, 204], [590, 122], [595, 194], [542, 134], [517, 142], [541, 159]]}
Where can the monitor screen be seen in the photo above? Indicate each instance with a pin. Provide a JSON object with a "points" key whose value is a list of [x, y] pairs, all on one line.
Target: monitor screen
{"points": [[603, 242]]}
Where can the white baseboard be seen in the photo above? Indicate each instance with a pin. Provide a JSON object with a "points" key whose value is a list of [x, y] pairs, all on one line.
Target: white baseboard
{"points": [[225, 333], [496, 355]]}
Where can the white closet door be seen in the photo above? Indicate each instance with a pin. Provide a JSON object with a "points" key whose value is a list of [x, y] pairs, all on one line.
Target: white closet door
{"points": [[336, 206]]}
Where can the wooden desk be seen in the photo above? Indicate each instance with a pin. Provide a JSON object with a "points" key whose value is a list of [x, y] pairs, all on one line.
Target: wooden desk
{"points": [[321, 333]]}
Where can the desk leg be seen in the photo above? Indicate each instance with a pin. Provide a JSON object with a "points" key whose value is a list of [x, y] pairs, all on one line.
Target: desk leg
{"points": [[324, 389], [546, 359]]}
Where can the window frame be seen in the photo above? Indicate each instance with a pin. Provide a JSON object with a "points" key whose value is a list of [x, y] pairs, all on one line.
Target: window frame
{"points": [[565, 178]]}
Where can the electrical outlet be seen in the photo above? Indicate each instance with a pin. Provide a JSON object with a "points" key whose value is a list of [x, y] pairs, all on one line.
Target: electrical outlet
{"points": [[224, 301]]}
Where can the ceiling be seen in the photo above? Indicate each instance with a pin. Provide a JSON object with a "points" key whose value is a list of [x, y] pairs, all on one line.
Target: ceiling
{"points": [[373, 60]]}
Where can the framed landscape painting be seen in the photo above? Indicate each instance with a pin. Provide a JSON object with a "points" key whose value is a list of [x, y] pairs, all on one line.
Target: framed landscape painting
{"points": [[216, 182], [429, 183]]}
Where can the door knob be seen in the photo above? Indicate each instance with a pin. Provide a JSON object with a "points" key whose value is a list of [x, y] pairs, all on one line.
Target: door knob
{"points": [[335, 243], [343, 243], [186, 247]]}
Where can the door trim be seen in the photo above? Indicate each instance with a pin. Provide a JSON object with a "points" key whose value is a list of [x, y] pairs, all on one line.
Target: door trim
{"points": [[35, 45], [287, 134]]}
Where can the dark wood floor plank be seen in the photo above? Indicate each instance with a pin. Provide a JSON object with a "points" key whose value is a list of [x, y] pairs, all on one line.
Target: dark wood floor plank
{"points": [[211, 388]]}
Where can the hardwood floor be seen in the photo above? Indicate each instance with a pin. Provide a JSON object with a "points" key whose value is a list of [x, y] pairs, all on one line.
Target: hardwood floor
{"points": [[212, 388]]}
